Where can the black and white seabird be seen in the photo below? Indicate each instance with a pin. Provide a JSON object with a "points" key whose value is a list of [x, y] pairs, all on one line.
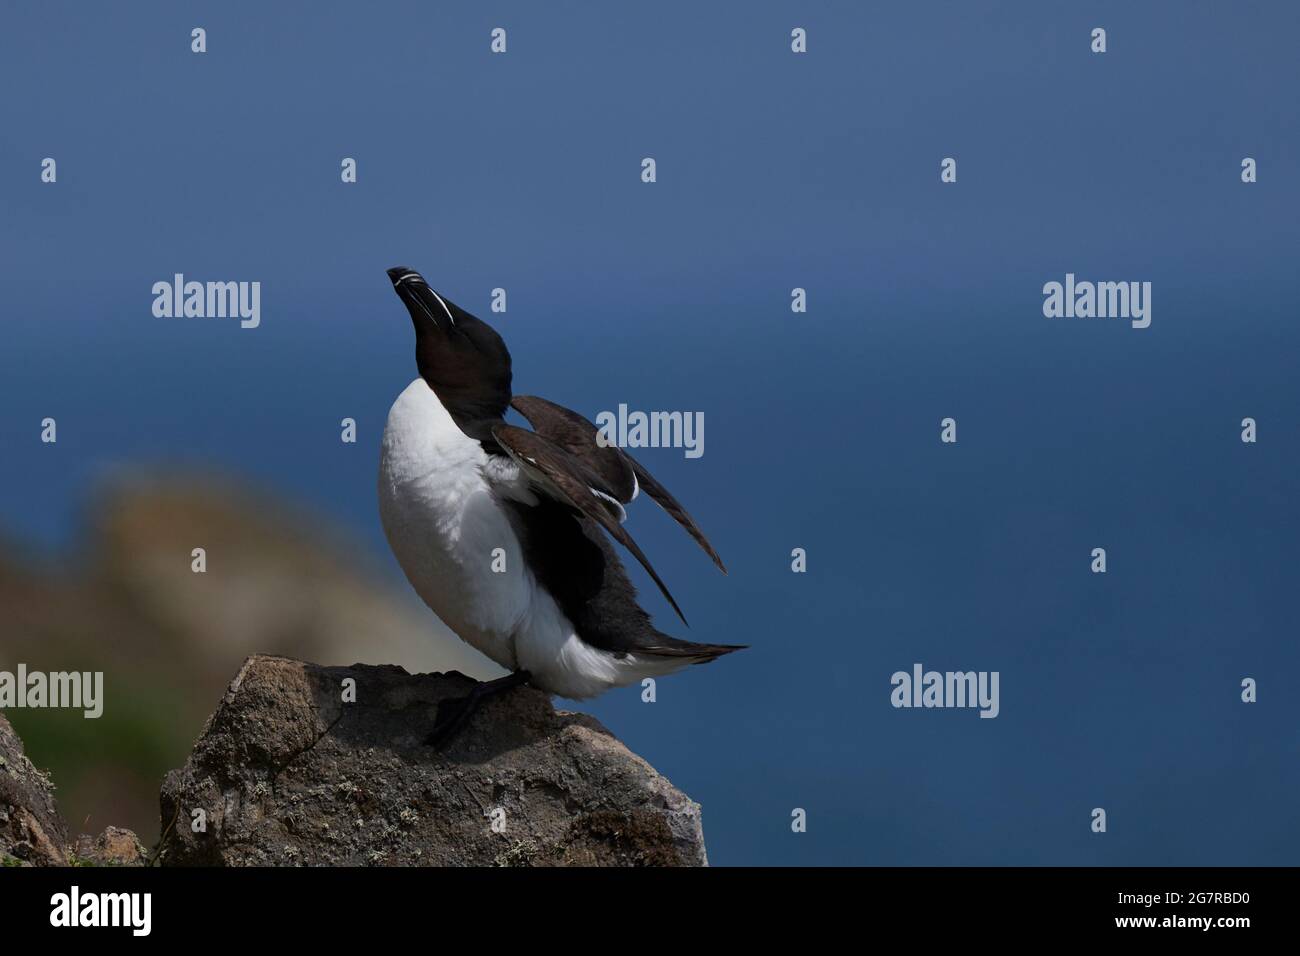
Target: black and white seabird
{"points": [[457, 483]]}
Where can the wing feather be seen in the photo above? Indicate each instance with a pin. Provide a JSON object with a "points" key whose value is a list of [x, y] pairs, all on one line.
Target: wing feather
{"points": [[620, 473], [566, 478]]}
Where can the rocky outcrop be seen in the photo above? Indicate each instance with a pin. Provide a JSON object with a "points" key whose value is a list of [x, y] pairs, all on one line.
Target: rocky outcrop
{"points": [[309, 765], [31, 831], [114, 847]]}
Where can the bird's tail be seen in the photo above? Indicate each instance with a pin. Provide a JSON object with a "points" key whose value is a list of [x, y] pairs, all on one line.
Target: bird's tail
{"points": [[666, 646]]}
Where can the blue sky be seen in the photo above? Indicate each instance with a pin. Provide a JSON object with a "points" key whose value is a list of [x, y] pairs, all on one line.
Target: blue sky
{"points": [[822, 429]]}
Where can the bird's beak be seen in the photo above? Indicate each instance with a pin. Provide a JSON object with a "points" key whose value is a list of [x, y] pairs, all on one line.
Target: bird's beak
{"points": [[400, 274], [427, 308]]}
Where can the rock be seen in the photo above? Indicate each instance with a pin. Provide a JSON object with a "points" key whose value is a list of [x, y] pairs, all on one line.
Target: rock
{"points": [[31, 831], [114, 847], [286, 773]]}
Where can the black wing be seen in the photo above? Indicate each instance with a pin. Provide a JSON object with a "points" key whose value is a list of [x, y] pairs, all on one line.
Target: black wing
{"points": [[618, 471], [569, 480]]}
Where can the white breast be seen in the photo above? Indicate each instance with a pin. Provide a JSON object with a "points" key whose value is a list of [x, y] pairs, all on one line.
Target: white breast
{"points": [[445, 526]]}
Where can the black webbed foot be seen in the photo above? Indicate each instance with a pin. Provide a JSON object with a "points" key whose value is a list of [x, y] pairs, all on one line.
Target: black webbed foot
{"points": [[454, 714]]}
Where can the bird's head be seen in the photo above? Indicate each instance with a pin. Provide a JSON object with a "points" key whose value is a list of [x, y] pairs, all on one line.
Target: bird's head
{"points": [[460, 356]]}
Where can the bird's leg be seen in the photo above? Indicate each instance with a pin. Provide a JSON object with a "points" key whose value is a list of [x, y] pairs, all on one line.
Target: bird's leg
{"points": [[453, 713]]}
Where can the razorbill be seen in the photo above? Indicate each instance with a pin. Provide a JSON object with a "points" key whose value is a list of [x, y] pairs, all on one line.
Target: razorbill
{"points": [[502, 531]]}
